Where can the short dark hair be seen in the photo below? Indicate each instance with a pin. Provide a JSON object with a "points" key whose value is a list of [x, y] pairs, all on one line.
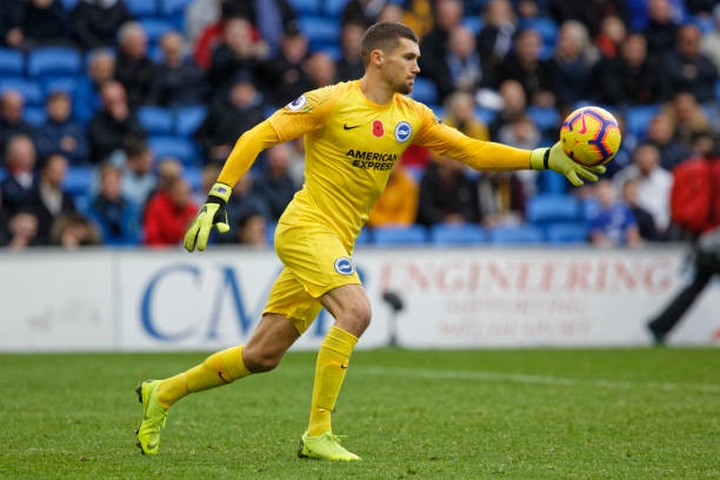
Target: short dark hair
{"points": [[384, 36]]}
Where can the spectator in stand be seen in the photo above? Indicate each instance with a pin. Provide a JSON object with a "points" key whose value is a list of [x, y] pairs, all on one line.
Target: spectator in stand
{"points": [[615, 224], [73, 231], [116, 215], [49, 201], [645, 221], [60, 133], [239, 52], [461, 69], [319, 67], [168, 170], [86, 95], [495, 38], [434, 46], [134, 69], [274, 182], [96, 22], [589, 13], [177, 80], [571, 64], [11, 17], [460, 113], [243, 201], [514, 104], [654, 184], [661, 30], [365, 12], [398, 203], [632, 78], [138, 179], [283, 75], [271, 18], [169, 214], [231, 114], [520, 132], [17, 188], [207, 179], [253, 230], [689, 68], [350, 66], [688, 116], [113, 124], [710, 44], [662, 133], [447, 194], [501, 199], [44, 22], [613, 33], [11, 118], [526, 66], [21, 230]]}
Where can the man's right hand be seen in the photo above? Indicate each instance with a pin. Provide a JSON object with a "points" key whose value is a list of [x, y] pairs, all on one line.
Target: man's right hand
{"points": [[211, 214]]}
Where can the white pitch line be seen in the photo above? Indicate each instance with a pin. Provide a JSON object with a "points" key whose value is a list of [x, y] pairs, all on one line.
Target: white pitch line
{"points": [[432, 374]]}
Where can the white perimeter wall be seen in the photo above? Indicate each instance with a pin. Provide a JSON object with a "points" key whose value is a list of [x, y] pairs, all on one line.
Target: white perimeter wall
{"points": [[150, 300]]}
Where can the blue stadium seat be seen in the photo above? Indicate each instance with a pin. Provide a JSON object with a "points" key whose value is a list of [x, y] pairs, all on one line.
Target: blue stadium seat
{"points": [[474, 23], [142, 8], [188, 119], [35, 116], [155, 28], [29, 89], [46, 61], [485, 115], [549, 208], [156, 120], [545, 118], [424, 91], [306, 7], [174, 10], [180, 147], [565, 233], [3, 173], [638, 118], [395, 236], [12, 62], [545, 26], [511, 235], [60, 83], [193, 174], [551, 182], [334, 8], [78, 180], [445, 234], [69, 4], [320, 30]]}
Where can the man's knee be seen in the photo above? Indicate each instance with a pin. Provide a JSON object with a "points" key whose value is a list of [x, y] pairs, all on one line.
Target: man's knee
{"points": [[258, 361]]}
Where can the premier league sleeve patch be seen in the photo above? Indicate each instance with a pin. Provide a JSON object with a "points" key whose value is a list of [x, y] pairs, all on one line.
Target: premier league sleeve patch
{"points": [[403, 130], [297, 104], [344, 266]]}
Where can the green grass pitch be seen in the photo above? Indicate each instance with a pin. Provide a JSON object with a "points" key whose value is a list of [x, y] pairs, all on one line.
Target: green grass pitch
{"points": [[516, 414]]}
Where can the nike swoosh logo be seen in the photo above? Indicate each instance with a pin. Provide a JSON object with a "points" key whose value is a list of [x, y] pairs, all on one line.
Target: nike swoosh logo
{"points": [[343, 366], [346, 127]]}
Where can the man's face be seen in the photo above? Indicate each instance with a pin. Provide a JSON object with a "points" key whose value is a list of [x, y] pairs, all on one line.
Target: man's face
{"points": [[400, 67]]}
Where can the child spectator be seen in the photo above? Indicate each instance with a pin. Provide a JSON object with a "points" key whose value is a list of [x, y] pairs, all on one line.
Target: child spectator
{"points": [[615, 224], [61, 134]]}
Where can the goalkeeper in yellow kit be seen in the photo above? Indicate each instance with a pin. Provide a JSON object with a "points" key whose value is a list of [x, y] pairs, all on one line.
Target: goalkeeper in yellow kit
{"points": [[354, 133]]}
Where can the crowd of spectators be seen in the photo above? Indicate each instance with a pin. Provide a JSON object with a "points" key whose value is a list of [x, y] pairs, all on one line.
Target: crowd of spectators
{"points": [[500, 70]]}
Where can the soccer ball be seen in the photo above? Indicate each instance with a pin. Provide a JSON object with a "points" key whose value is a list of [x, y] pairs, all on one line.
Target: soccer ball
{"points": [[590, 136]]}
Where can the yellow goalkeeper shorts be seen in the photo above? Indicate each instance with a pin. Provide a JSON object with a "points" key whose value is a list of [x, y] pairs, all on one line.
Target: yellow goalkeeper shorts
{"points": [[315, 262]]}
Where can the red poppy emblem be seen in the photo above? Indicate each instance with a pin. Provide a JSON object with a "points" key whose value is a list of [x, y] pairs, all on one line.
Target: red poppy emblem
{"points": [[378, 129]]}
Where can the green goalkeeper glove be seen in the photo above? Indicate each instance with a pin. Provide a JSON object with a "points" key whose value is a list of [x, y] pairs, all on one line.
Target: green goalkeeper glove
{"points": [[555, 159], [211, 214]]}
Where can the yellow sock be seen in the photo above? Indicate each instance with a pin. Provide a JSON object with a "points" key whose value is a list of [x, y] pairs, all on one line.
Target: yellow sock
{"points": [[218, 369], [332, 362]]}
